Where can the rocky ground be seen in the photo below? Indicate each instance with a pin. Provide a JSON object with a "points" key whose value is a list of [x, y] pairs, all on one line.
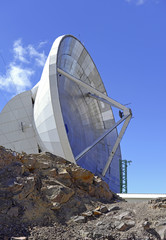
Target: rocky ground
{"points": [[119, 221], [43, 196]]}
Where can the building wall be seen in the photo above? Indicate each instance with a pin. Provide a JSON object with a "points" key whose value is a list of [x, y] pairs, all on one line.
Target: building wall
{"points": [[16, 124]]}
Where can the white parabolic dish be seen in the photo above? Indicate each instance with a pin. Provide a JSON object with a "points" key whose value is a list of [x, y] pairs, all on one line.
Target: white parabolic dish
{"points": [[66, 114]]}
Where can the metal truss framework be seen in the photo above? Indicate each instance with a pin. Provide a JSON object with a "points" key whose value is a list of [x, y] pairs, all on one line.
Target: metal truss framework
{"points": [[123, 175], [123, 165], [126, 117]]}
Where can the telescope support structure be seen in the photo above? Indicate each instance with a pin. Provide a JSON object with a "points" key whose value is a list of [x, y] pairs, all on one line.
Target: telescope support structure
{"points": [[127, 115]]}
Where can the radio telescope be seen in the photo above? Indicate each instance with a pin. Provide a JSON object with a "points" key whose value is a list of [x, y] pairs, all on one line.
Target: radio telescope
{"points": [[68, 113]]}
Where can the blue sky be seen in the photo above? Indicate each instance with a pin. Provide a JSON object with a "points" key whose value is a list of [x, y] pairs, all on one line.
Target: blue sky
{"points": [[127, 41]]}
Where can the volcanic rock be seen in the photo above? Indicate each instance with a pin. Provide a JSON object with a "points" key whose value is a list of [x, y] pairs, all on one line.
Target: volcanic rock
{"points": [[43, 196], [42, 188]]}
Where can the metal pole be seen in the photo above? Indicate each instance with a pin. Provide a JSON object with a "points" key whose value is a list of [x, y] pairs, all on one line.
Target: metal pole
{"points": [[116, 144], [93, 90], [99, 139]]}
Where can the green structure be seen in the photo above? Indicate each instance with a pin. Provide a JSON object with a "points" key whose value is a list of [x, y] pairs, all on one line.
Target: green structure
{"points": [[123, 164]]}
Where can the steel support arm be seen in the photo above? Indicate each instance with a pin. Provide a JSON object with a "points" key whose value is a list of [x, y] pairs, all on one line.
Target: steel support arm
{"points": [[116, 144], [94, 91], [100, 99], [86, 150]]}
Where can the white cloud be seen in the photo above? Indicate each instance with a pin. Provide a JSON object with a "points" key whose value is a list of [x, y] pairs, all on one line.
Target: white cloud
{"points": [[40, 58], [41, 44], [19, 72], [141, 2], [24, 53], [16, 79], [19, 51]]}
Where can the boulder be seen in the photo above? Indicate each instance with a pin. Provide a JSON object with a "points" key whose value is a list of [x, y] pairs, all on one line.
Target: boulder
{"points": [[113, 208], [87, 214], [79, 219], [81, 176], [57, 193], [103, 209], [124, 226], [96, 213], [124, 215]]}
